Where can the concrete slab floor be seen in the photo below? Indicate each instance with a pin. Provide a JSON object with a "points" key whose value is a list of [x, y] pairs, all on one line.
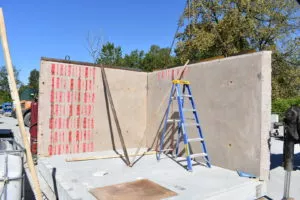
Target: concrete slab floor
{"points": [[12, 123], [74, 179]]}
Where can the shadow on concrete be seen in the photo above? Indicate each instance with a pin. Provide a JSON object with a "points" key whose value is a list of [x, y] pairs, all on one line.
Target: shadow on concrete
{"points": [[182, 161], [264, 198], [169, 142], [171, 129], [169, 137], [28, 193], [54, 182], [277, 161]]}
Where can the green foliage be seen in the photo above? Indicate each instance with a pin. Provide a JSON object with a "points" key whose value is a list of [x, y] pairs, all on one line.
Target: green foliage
{"points": [[286, 72], [134, 59], [4, 85], [110, 55], [224, 28], [228, 27], [155, 58], [34, 79], [4, 96], [279, 106]]}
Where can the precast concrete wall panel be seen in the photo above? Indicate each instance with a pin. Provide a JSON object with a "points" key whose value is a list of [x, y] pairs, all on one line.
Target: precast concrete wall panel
{"points": [[232, 96], [73, 111], [233, 99]]}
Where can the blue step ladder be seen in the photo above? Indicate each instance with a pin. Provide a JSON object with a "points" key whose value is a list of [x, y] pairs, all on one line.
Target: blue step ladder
{"points": [[179, 93]]}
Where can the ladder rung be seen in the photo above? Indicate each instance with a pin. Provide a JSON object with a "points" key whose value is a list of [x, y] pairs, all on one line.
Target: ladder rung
{"points": [[195, 139], [173, 120], [191, 124], [188, 110], [186, 95], [198, 155]]}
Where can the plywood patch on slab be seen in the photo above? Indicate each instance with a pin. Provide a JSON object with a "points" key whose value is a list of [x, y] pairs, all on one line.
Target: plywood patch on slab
{"points": [[136, 190]]}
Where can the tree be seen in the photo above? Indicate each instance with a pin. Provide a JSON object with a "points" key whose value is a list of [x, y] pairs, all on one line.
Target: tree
{"points": [[4, 96], [34, 79], [228, 27], [134, 59], [286, 72], [4, 84], [157, 58], [110, 55], [224, 28]]}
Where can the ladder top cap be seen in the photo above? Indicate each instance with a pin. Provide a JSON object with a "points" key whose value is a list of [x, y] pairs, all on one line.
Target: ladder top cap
{"points": [[180, 82]]}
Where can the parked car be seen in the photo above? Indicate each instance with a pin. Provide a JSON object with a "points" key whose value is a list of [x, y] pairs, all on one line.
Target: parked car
{"points": [[6, 108]]}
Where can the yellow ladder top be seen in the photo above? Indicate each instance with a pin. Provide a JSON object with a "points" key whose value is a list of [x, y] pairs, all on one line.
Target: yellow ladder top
{"points": [[180, 82]]}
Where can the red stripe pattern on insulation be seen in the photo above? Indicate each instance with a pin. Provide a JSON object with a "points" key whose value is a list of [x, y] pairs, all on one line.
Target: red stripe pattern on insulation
{"points": [[72, 99]]}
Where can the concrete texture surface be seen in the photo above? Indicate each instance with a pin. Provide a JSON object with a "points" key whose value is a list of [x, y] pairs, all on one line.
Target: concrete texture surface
{"points": [[74, 116], [232, 95], [233, 99], [276, 180], [216, 177], [129, 93], [72, 180]]}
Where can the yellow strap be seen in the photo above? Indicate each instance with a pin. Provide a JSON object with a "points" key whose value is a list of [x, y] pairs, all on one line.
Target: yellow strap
{"points": [[181, 82]]}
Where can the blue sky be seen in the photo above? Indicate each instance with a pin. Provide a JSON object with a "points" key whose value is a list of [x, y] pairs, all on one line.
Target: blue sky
{"points": [[58, 28]]}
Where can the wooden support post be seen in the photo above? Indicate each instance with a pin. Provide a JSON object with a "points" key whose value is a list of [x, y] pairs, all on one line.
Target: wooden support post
{"points": [[16, 99]]}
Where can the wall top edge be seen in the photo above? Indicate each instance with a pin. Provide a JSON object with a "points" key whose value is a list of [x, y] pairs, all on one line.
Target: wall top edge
{"points": [[88, 64], [217, 60], [139, 70]]}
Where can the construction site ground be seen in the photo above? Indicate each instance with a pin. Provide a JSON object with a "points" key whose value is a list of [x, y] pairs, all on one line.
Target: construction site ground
{"points": [[73, 180], [275, 185]]}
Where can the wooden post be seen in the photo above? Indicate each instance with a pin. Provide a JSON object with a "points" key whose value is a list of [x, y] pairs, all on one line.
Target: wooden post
{"points": [[16, 99]]}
